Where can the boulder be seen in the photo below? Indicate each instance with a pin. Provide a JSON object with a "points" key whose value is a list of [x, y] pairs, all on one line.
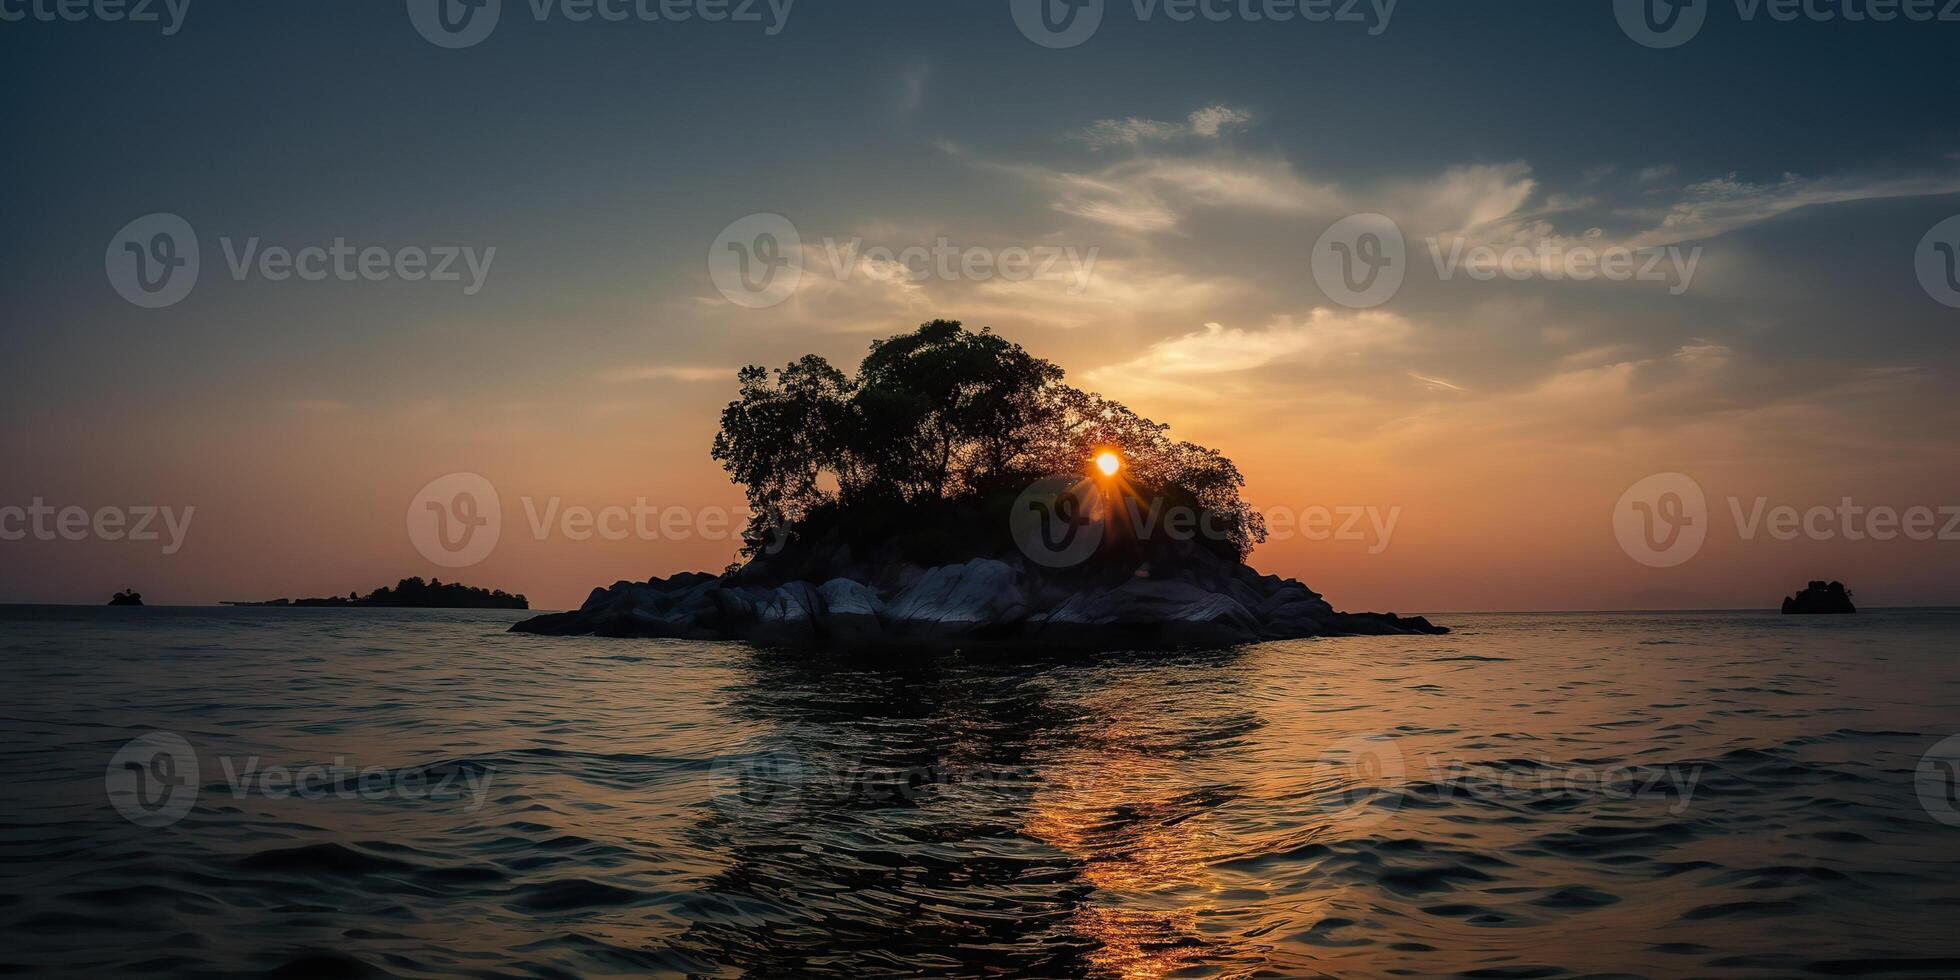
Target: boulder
{"points": [[853, 612], [984, 602], [952, 603]]}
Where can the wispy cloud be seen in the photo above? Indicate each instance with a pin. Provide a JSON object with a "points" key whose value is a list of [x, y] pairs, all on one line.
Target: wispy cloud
{"points": [[319, 406], [1712, 207], [912, 90], [1323, 334], [1206, 123], [1154, 194], [667, 372]]}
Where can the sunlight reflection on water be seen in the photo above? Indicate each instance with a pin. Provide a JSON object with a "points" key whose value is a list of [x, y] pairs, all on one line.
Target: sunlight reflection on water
{"points": [[1531, 796]]}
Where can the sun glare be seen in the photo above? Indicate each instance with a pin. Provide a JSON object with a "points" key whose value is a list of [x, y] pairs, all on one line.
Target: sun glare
{"points": [[1109, 463]]}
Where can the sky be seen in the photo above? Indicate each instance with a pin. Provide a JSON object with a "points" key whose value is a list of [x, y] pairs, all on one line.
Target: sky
{"points": [[1165, 208]]}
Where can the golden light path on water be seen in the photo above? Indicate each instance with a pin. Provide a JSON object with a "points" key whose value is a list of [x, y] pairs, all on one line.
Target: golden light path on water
{"points": [[1634, 794]]}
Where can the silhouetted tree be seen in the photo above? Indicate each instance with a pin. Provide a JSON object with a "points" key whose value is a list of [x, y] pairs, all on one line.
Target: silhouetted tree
{"points": [[944, 413]]}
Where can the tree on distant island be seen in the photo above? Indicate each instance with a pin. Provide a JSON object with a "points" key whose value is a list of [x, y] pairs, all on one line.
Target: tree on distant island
{"points": [[413, 593], [945, 415], [1820, 597]]}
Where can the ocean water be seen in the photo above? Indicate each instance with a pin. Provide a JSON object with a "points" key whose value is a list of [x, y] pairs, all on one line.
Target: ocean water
{"points": [[352, 792]]}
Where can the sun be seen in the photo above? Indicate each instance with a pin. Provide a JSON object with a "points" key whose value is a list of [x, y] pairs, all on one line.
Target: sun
{"points": [[1109, 463]]}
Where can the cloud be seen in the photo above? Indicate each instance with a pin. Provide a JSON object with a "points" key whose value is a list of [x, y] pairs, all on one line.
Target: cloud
{"points": [[1500, 204], [666, 372], [1153, 194], [1435, 384], [1458, 199], [912, 90], [1206, 123], [1217, 349], [1712, 207], [1087, 288], [1209, 120], [1196, 231]]}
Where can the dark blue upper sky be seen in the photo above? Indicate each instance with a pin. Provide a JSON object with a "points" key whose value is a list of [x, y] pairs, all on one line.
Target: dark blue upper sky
{"points": [[602, 160]]}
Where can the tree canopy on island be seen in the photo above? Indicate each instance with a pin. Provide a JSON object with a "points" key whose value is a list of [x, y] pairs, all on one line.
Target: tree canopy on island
{"points": [[948, 414], [413, 593]]}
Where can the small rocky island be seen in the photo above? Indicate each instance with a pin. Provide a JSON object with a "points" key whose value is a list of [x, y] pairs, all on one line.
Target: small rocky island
{"points": [[955, 493], [1820, 598], [127, 597], [413, 593]]}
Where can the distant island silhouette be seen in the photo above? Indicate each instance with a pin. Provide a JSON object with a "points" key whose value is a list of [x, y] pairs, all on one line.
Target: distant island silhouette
{"points": [[127, 597], [1820, 598], [956, 493], [413, 593]]}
